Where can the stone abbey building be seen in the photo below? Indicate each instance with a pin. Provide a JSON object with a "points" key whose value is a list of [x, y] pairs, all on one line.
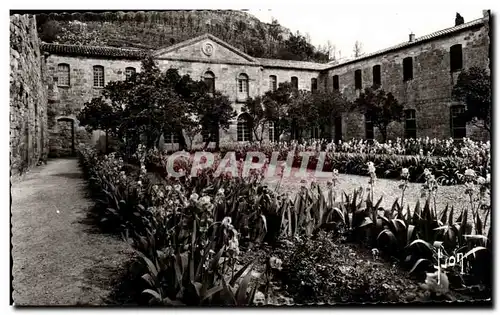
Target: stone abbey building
{"points": [[420, 72]]}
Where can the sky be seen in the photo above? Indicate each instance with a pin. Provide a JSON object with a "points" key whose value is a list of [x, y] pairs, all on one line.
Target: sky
{"points": [[376, 24]]}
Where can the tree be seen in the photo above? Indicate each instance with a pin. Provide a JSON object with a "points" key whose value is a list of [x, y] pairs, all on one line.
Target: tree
{"points": [[100, 115], [473, 88], [214, 111], [143, 105], [256, 110], [358, 49], [383, 108], [327, 105], [277, 105]]}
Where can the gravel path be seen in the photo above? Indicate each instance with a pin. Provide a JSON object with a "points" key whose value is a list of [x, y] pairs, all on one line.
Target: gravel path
{"points": [[58, 258]]}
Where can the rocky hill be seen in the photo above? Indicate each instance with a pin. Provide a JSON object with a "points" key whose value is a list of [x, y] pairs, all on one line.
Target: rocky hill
{"points": [[152, 30]]}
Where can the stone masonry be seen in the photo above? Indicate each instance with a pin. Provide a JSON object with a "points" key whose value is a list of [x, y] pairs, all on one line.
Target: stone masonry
{"points": [[429, 92], [28, 96]]}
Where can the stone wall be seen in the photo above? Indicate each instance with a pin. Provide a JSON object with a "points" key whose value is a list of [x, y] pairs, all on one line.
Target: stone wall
{"points": [[28, 96], [65, 101], [429, 92]]}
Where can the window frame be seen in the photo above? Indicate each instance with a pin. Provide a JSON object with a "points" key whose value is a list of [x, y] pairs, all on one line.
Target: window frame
{"points": [[408, 69], [295, 84], [456, 58], [358, 80], [243, 87], [377, 75], [273, 82], [129, 69], [336, 83], [243, 128], [97, 68], [453, 128], [410, 115], [209, 80], [66, 75], [314, 84]]}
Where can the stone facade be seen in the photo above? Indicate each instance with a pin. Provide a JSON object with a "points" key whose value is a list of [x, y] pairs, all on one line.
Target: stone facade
{"points": [[428, 92], [28, 96]]}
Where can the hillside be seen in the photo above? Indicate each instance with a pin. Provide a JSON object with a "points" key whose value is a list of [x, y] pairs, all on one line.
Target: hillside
{"points": [[152, 30]]}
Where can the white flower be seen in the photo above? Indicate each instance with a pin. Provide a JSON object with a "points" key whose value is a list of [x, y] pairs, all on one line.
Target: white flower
{"points": [[139, 183], [488, 178], [220, 191], [194, 197], [371, 167], [481, 180], [469, 172], [405, 172], [226, 221], [177, 187], [204, 200], [427, 172], [275, 263]]}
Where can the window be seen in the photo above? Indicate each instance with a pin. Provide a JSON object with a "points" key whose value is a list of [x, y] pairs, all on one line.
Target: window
{"points": [[410, 124], [314, 84], [98, 76], [368, 127], [273, 131], [458, 123], [408, 69], [242, 86], [456, 58], [336, 85], [295, 82], [63, 74], [243, 128], [209, 79], [272, 83], [357, 80], [376, 76], [129, 72], [171, 138]]}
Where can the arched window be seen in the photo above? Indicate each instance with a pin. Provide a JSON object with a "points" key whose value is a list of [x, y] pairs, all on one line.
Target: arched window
{"points": [[273, 82], [295, 82], [458, 122], [244, 127], [98, 76], [129, 72], [209, 79], [243, 86], [63, 74]]}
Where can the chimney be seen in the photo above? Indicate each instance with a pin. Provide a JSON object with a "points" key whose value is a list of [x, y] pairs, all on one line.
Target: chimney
{"points": [[412, 37]]}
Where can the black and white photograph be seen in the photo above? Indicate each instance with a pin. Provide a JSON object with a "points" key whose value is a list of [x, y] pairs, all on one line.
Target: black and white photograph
{"points": [[253, 157]]}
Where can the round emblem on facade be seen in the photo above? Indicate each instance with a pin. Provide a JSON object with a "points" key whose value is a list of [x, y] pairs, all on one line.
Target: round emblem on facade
{"points": [[208, 49]]}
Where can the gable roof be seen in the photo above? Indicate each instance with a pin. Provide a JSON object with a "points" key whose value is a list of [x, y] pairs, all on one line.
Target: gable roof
{"points": [[417, 41], [95, 51], [205, 36], [113, 52]]}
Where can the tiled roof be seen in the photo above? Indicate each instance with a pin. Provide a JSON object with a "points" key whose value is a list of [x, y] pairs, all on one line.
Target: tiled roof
{"points": [[112, 52], [291, 64], [416, 41]]}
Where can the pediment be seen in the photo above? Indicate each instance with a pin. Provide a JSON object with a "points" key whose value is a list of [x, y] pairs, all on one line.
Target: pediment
{"points": [[206, 47]]}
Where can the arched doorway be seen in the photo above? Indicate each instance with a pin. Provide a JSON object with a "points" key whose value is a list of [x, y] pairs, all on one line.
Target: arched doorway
{"points": [[66, 134]]}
